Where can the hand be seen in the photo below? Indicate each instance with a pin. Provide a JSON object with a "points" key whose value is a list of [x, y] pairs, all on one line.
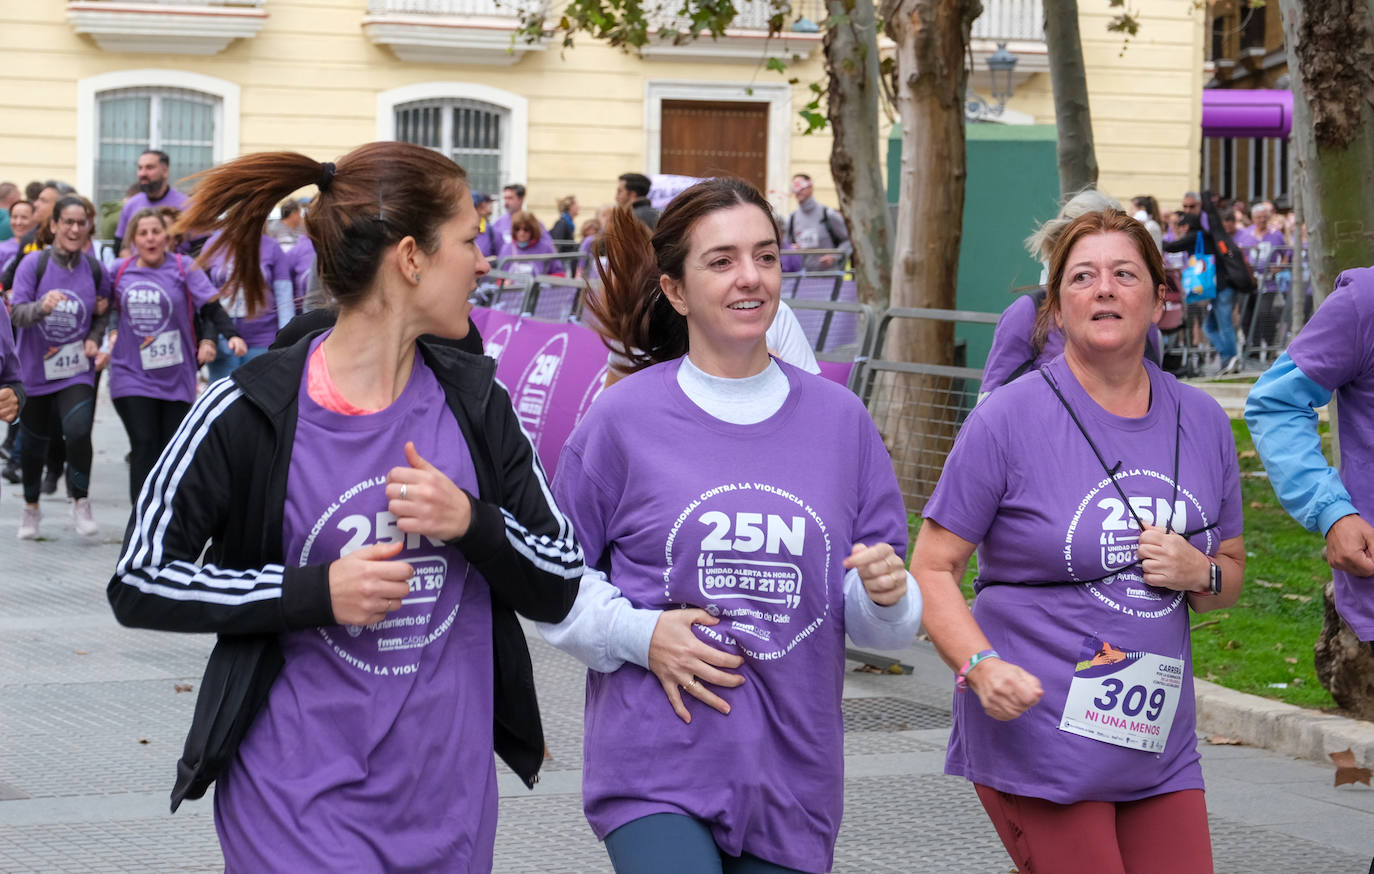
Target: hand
{"points": [[365, 585], [102, 305], [684, 663], [102, 360], [238, 346], [9, 405], [432, 505], [1005, 690], [206, 350], [1350, 546], [880, 570], [91, 348], [826, 261], [51, 300], [1168, 561]]}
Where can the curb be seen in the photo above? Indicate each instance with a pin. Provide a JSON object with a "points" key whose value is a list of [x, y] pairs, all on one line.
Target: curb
{"points": [[1279, 727]]}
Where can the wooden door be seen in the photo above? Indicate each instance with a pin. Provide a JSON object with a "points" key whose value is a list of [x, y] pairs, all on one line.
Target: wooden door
{"points": [[710, 138]]}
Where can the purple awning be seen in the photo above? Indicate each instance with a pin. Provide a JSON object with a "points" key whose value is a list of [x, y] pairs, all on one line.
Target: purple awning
{"points": [[1236, 112]]}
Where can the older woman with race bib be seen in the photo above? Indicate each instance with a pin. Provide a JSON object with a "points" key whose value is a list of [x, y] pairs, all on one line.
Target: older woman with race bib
{"points": [[1077, 728]]}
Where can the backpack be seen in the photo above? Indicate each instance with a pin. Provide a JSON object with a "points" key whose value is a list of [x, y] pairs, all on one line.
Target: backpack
{"points": [[190, 304], [826, 213], [7, 281]]}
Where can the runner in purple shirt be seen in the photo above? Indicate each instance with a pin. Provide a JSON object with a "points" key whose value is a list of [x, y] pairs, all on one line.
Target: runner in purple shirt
{"points": [[59, 302], [744, 516], [360, 517], [12, 394], [161, 298], [1080, 735], [154, 190], [256, 319]]}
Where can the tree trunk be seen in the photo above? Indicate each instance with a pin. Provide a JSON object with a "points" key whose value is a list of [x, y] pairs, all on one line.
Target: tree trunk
{"points": [[851, 60], [1072, 115], [1330, 47], [932, 39]]}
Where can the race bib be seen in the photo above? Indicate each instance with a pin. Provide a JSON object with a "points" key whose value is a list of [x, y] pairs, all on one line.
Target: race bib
{"points": [[810, 238], [64, 361], [161, 351], [1127, 699]]}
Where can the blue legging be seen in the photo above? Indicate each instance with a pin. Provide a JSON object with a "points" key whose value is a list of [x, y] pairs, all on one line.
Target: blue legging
{"points": [[674, 843]]}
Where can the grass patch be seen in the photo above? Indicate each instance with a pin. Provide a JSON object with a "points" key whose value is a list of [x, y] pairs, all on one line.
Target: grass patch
{"points": [[1267, 637]]}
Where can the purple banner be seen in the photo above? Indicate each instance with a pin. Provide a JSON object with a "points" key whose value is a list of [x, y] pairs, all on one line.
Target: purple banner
{"points": [[553, 371]]}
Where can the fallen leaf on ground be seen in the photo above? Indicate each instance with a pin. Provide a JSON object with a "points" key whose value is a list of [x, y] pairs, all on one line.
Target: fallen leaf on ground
{"points": [[1347, 771], [1256, 505], [82, 652], [1265, 584], [1292, 597], [868, 669], [182, 687], [1222, 740], [1249, 453], [1291, 661], [143, 740]]}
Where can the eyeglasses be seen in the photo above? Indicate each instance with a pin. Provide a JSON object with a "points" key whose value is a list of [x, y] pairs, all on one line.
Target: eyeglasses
{"points": [[72, 223]]}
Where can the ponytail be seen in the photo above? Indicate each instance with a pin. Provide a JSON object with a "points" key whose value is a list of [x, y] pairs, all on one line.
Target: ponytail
{"points": [[375, 196]]}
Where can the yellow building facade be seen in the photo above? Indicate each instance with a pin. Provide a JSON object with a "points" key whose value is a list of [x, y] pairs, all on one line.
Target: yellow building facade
{"points": [[90, 83]]}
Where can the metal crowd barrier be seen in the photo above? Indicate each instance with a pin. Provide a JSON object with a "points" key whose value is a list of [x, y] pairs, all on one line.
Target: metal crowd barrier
{"points": [[919, 407]]}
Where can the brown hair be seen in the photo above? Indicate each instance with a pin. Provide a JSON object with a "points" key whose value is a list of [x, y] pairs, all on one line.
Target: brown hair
{"points": [[565, 203], [146, 212], [1105, 221], [632, 313], [526, 220], [375, 196]]}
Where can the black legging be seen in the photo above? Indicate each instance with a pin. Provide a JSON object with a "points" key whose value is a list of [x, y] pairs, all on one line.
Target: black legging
{"points": [[150, 423], [75, 407]]}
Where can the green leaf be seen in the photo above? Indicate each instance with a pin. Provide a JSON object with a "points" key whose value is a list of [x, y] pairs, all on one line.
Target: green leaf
{"points": [[777, 65]]}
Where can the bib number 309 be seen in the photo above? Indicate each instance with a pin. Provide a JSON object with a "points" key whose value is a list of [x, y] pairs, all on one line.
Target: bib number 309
{"points": [[1129, 702]]}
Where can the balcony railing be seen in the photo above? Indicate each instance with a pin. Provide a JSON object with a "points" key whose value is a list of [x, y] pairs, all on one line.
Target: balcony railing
{"points": [[1010, 21], [451, 31], [187, 27]]}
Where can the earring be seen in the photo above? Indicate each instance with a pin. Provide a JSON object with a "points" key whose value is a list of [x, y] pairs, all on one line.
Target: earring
{"points": [[415, 276]]}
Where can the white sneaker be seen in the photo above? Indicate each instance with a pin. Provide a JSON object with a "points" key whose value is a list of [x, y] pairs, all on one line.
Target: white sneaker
{"points": [[28, 525], [81, 517]]}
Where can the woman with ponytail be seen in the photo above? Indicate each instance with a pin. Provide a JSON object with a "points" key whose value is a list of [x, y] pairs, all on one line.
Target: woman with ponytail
{"points": [[742, 516], [359, 516]]}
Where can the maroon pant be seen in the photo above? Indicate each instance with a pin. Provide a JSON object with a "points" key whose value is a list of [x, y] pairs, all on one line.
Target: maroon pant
{"points": [[1163, 833]]}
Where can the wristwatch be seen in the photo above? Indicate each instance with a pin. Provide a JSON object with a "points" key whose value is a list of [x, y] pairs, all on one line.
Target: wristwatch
{"points": [[1214, 577]]}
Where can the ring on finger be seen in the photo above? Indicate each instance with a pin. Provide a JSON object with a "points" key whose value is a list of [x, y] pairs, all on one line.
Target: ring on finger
{"points": [[692, 685], [403, 491]]}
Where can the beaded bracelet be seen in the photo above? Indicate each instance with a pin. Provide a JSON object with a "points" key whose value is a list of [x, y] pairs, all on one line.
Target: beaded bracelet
{"points": [[961, 679]]}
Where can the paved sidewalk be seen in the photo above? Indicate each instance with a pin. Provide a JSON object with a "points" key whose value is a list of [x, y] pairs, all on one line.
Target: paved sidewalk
{"points": [[92, 723]]}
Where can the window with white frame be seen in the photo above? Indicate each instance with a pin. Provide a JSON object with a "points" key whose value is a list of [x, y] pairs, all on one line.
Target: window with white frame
{"points": [[183, 123], [473, 133]]}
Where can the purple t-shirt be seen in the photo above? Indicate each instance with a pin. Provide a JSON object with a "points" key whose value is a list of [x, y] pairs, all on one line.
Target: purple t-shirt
{"points": [[51, 353], [374, 750], [685, 511], [154, 353], [1247, 239], [9, 357], [258, 331], [1011, 343], [529, 268], [1037, 523], [140, 200], [1335, 349], [9, 250], [500, 227], [301, 263]]}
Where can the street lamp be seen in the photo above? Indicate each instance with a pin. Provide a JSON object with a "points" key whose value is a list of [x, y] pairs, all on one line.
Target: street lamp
{"points": [[1001, 65]]}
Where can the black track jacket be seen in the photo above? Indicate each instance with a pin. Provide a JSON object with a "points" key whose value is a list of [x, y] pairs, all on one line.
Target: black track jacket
{"points": [[203, 550]]}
